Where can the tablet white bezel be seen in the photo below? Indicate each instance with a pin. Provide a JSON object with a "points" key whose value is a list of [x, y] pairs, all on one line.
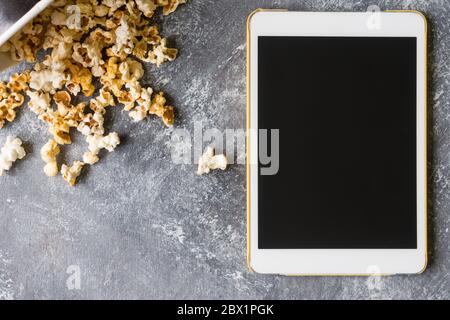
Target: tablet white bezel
{"points": [[335, 261]]}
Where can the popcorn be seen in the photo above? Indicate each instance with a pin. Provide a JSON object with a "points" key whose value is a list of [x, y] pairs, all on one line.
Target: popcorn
{"points": [[8, 106], [151, 35], [63, 51], [101, 11], [113, 4], [80, 77], [131, 70], [58, 18], [61, 135], [10, 153], [70, 174], [18, 82], [124, 41], [147, 7], [62, 100], [97, 142], [92, 124], [49, 152], [208, 161], [39, 101], [161, 54], [50, 78], [159, 108], [90, 158], [171, 6], [89, 42]]}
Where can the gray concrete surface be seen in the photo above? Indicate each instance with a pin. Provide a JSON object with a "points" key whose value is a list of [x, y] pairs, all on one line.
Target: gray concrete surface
{"points": [[139, 226]]}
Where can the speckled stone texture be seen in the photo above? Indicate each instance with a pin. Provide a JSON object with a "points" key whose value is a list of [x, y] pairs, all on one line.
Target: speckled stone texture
{"points": [[139, 226]]}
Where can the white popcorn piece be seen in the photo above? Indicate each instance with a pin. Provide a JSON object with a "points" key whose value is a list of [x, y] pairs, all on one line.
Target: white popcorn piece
{"points": [[92, 125], [73, 88], [123, 38], [131, 70], [147, 7], [109, 142], [89, 56], [39, 101], [10, 153], [143, 98], [51, 169], [138, 114], [161, 53], [114, 4], [208, 161], [70, 174], [97, 143], [58, 18], [135, 89], [49, 78], [63, 51], [90, 158], [49, 152]]}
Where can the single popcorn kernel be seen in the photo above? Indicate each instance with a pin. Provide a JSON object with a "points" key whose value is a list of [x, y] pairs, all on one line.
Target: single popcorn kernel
{"points": [[109, 142], [51, 169], [208, 161], [8, 106], [49, 152], [10, 153], [158, 107], [161, 54], [90, 158], [19, 82], [97, 143], [39, 101], [70, 174]]}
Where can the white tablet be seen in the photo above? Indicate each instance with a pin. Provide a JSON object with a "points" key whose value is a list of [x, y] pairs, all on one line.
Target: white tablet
{"points": [[337, 145]]}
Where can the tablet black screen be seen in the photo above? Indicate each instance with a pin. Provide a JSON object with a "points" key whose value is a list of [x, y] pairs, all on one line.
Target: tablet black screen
{"points": [[345, 108]]}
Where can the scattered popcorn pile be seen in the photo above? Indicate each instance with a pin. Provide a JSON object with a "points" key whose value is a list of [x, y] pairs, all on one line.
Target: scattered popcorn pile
{"points": [[87, 41], [10, 153], [208, 161]]}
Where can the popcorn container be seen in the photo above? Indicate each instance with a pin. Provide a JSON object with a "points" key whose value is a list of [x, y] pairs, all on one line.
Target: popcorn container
{"points": [[14, 15]]}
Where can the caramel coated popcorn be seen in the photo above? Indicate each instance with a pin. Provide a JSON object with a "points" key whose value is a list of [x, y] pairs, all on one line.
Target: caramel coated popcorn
{"points": [[11, 96], [88, 42]]}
